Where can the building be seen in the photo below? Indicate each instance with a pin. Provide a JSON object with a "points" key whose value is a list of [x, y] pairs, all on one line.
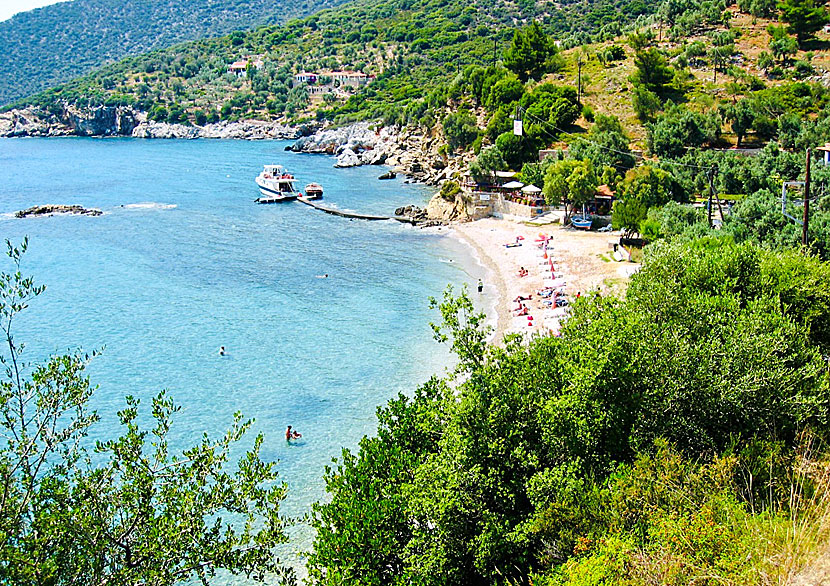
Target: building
{"points": [[353, 79], [240, 68], [305, 77]]}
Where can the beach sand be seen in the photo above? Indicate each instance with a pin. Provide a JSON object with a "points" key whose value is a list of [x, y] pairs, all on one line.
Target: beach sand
{"points": [[581, 259]]}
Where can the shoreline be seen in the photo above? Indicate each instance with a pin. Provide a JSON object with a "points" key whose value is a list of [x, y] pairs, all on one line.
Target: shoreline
{"points": [[581, 259]]}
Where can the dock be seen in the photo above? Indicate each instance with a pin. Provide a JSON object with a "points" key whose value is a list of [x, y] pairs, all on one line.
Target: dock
{"points": [[354, 215]]}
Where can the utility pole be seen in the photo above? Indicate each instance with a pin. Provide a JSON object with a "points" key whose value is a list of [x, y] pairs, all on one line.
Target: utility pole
{"points": [[806, 201], [495, 49], [713, 172]]}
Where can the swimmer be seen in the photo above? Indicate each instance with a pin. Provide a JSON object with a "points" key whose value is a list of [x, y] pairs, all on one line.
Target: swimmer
{"points": [[324, 276], [221, 350], [290, 435]]}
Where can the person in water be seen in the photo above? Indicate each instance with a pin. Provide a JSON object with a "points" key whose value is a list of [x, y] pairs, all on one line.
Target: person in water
{"points": [[290, 435], [221, 350]]}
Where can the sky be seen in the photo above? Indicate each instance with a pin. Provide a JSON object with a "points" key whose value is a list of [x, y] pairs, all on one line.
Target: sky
{"points": [[11, 7]]}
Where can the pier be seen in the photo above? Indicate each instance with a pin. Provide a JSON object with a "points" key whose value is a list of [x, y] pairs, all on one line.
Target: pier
{"points": [[354, 215]]}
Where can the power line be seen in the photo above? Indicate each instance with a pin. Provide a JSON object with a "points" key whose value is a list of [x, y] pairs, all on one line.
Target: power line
{"points": [[603, 147]]}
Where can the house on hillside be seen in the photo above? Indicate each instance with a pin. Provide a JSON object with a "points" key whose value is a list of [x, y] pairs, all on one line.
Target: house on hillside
{"points": [[240, 68], [304, 77], [353, 79]]}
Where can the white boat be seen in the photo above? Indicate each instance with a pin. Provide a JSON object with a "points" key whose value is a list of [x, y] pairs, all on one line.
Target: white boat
{"points": [[275, 185], [313, 191]]}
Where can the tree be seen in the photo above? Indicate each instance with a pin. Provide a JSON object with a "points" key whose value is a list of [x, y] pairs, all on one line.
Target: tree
{"points": [[803, 17], [132, 512], [460, 129], [653, 71], [782, 45], [679, 128], [643, 188], [488, 161], [571, 182], [742, 117], [606, 145], [531, 53], [645, 103]]}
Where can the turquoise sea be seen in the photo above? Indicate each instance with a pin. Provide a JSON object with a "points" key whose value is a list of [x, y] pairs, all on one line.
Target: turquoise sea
{"points": [[183, 262]]}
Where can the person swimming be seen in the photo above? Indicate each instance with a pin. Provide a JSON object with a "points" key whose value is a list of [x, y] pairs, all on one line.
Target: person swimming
{"points": [[290, 435], [221, 350]]}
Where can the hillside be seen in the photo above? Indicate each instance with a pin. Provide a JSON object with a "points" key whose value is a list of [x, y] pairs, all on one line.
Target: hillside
{"points": [[50, 45], [412, 46]]}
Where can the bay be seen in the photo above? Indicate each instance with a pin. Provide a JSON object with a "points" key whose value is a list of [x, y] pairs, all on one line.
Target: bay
{"points": [[183, 262]]}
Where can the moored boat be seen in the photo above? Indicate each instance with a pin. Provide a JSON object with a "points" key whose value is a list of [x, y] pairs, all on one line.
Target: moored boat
{"points": [[582, 222], [313, 191], [275, 185]]}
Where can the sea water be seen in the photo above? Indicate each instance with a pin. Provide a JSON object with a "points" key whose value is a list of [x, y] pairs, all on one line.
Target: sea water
{"points": [[183, 261]]}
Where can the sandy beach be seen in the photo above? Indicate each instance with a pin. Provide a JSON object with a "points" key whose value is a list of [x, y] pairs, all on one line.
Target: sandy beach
{"points": [[582, 263]]}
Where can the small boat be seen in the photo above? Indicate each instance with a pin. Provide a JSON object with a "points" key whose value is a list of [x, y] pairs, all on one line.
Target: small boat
{"points": [[582, 222], [313, 191], [275, 185]]}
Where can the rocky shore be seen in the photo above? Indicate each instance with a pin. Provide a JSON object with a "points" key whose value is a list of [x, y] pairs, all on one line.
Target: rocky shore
{"points": [[126, 121], [50, 209], [417, 155]]}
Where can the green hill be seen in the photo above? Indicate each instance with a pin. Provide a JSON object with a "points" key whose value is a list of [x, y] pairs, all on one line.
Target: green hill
{"points": [[50, 45], [414, 47]]}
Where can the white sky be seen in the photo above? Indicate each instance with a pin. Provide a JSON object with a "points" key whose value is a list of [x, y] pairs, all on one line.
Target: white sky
{"points": [[11, 7]]}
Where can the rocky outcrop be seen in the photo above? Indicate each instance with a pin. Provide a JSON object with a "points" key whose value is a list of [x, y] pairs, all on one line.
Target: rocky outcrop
{"points": [[126, 121], [49, 209], [412, 153], [443, 210]]}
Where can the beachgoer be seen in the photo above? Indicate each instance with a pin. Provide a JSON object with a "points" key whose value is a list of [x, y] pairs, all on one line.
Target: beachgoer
{"points": [[480, 286], [221, 350], [288, 434]]}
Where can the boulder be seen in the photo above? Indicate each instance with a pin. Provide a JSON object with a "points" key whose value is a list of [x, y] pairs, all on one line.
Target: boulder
{"points": [[347, 158]]}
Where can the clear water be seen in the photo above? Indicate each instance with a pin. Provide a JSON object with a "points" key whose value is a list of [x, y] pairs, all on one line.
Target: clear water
{"points": [[183, 262]]}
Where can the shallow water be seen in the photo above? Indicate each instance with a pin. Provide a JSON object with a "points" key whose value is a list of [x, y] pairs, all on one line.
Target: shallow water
{"points": [[183, 261]]}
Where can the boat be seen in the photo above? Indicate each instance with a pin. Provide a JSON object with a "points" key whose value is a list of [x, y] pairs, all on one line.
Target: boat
{"points": [[275, 185], [582, 222], [313, 191]]}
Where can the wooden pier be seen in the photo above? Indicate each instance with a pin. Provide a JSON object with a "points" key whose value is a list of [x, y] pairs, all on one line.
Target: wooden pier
{"points": [[354, 215]]}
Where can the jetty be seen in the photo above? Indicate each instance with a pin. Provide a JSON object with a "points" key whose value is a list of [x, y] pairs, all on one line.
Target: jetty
{"points": [[354, 215]]}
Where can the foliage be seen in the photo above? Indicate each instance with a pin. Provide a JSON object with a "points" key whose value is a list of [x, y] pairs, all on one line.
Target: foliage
{"points": [[803, 17], [643, 188], [130, 511], [565, 459], [653, 71], [606, 145], [488, 161], [460, 129], [531, 53], [570, 181], [679, 128], [57, 43]]}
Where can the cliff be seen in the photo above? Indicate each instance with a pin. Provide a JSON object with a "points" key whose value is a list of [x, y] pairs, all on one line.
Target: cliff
{"points": [[127, 121]]}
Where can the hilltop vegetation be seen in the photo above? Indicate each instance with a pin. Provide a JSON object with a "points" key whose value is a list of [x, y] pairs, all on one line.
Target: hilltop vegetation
{"points": [[50, 45], [662, 439], [415, 47]]}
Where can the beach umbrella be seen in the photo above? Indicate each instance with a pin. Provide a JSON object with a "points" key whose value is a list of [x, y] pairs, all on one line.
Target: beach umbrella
{"points": [[530, 189], [513, 185]]}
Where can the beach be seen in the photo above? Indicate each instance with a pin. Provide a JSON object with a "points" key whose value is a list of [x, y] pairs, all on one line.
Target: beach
{"points": [[582, 264]]}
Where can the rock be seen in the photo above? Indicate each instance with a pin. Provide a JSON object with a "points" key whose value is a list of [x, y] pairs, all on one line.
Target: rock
{"points": [[447, 211], [388, 175], [347, 158], [126, 121], [45, 210]]}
